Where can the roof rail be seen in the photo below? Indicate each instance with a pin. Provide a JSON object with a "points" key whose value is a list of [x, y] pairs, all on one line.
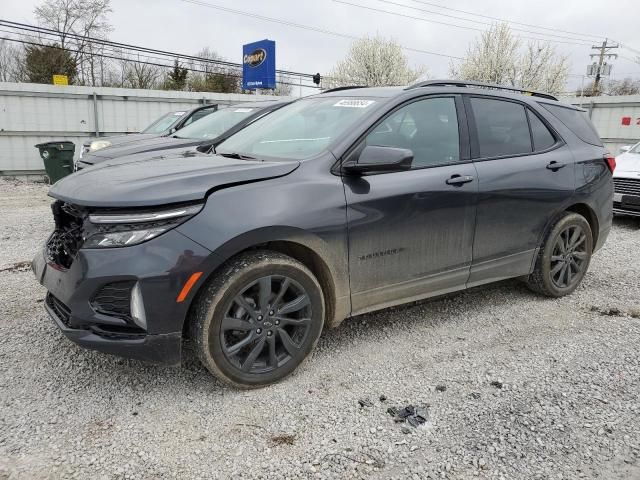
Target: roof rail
{"points": [[471, 84], [339, 89]]}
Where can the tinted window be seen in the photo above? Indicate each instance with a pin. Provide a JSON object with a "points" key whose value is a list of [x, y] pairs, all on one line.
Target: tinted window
{"points": [[502, 127], [542, 137], [429, 128], [577, 121], [198, 115]]}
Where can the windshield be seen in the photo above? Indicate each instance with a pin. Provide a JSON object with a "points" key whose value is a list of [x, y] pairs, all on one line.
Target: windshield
{"points": [[164, 123], [635, 149], [216, 123], [299, 130]]}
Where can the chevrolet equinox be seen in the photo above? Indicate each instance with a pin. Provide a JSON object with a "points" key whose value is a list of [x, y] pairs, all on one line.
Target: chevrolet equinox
{"points": [[337, 204]]}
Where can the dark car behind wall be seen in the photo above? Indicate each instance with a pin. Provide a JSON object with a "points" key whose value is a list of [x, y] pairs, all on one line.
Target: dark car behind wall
{"points": [[334, 205], [207, 132]]}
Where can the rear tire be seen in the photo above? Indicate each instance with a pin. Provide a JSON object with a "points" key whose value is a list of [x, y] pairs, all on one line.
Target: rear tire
{"points": [[257, 319], [563, 258]]}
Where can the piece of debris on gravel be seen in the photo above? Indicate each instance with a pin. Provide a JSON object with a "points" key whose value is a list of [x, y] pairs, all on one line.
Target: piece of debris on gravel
{"points": [[441, 388], [365, 402], [283, 439], [414, 416]]}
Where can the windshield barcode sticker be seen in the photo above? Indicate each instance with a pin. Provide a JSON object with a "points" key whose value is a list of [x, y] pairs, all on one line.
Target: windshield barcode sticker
{"points": [[352, 103], [243, 110]]}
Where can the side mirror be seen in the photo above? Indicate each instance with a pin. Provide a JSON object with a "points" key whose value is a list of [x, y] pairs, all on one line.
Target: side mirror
{"points": [[625, 148], [380, 159]]}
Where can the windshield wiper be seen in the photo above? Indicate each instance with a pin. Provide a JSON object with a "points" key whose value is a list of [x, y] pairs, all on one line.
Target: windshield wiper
{"points": [[235, 155]]}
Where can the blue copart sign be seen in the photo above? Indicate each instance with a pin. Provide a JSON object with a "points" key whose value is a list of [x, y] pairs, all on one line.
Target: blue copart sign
{"points": [[259, 65]]}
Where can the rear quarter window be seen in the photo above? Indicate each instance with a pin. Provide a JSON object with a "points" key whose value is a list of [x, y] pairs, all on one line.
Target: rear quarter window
{"points": [[576, 121]]}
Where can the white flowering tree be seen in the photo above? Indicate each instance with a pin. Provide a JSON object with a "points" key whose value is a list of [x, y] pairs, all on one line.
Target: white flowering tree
{"points": [[498, 56], [374, 61]]}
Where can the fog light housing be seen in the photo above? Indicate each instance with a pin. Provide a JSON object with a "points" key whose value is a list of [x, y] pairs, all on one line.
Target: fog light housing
{"points": [[137, 307]]}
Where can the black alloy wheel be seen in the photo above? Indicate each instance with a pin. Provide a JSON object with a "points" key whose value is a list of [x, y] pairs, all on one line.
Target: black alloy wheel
{"points": [[257, 318], [563, 258], [569, 257], [266, 324]]}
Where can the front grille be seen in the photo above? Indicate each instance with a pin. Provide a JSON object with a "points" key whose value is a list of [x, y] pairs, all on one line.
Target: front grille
{"points": [[114, 299], [59, 309], [627, 186], [65, 241]]}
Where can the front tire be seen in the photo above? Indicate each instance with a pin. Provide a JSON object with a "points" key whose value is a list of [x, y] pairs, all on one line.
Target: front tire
{"points": [[257, 319], [564, 257]]}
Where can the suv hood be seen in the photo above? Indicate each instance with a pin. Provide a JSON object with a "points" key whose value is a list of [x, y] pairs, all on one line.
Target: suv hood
{"points": [[143, 143], [161, 179]]}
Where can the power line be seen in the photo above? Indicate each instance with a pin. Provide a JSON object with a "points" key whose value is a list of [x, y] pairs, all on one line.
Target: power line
{"points": [[100, 41], [390, 2], [444, 23], [144, 62], [508, 21], [303, 27]]}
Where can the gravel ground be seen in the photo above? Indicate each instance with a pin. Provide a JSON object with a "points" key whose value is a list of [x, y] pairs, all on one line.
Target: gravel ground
{"points": [[516, 387]]}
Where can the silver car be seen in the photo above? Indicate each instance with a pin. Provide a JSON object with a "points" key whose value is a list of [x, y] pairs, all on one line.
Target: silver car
{"points": [[626, 179]]}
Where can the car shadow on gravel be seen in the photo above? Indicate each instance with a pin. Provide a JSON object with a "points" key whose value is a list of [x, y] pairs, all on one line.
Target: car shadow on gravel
{"points": [[627, 223], [431, 312]]}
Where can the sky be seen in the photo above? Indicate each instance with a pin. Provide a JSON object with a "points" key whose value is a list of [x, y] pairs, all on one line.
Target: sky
{"points": [[188, 26]]}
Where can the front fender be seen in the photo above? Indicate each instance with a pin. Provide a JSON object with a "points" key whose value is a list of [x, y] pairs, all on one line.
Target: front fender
{"points": [[293, 210]]}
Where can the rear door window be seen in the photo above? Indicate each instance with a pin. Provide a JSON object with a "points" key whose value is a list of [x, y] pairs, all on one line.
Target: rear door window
{"points": [[502, 127], [576, 121]]}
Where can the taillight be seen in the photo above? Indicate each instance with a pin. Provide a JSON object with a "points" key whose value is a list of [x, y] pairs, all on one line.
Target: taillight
{"points": [[611, 162]]}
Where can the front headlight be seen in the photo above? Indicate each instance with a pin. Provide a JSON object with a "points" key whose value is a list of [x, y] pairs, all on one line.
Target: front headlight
{"points": [[125, 229], [99, 145]]}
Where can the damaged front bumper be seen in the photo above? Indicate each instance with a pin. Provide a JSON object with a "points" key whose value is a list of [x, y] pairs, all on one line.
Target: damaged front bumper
{"points": [[77, 302]]}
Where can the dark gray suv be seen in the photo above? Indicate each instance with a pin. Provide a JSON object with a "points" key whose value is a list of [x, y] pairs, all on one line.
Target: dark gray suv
{"points": [[337, 204]]}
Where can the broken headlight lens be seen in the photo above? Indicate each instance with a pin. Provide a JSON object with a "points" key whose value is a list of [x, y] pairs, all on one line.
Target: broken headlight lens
{"points": [[125, 229]]}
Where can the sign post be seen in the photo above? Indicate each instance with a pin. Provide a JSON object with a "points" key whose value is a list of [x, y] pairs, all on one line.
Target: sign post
{"points": [[259, 65]]}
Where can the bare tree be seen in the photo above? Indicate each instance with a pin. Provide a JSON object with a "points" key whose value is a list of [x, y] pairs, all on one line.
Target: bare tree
{"points": [[375, 61], [210, 76], [137, 74], [75, 21], [498, 56], [626, 86], [11, 62]]}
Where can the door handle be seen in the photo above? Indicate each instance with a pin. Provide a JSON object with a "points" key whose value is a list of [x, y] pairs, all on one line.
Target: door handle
{"points": [[555, 166], [459, 180]]}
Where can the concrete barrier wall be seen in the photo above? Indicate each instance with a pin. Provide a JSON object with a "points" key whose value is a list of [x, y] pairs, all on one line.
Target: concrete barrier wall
{"points": [[34, 113]]}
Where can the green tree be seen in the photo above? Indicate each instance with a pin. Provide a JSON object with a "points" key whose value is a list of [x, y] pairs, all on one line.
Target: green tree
{"points": [[42, 63], [176, 78]]}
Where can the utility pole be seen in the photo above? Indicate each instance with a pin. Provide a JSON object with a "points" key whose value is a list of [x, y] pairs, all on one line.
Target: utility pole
{"points": [[601, 68]]}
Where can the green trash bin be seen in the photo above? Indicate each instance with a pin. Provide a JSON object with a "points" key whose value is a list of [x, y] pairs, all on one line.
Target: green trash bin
{"points": [[57, 158]]}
